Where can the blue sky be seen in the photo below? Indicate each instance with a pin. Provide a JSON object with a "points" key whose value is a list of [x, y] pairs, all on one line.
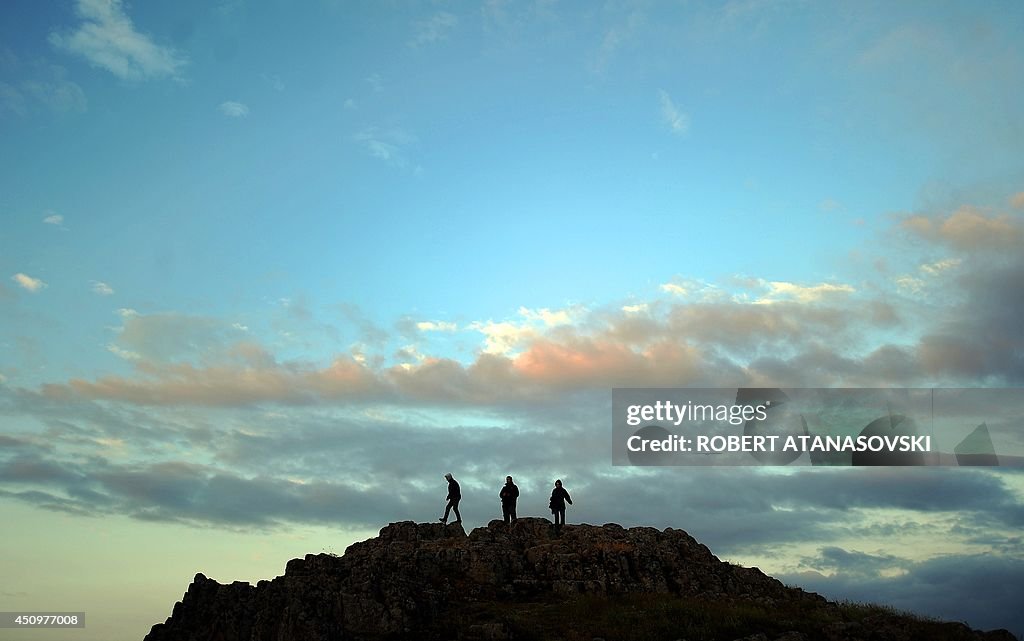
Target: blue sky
{"points": [[247, 246]]}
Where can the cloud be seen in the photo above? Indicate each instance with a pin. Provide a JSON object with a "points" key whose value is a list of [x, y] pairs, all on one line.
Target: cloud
{"points": [[107, 39], [959, 587], [781, 290], [969, 494], [101, 288], [259, 380], [927, 281], [247, 375], [549, 318], [383, 150], [1017, 200], [687, 287], [585, 362], [854, 562], [408, 355], [189, 493], [941, 266], [436, 326], [788, 343], [745, 326], [969, 229], [385, 144], [909, 285], [125, 354], [54, 219], [28, 283], [506, 337], [730, 509], [434, 29], [677, 121], [980, 338], [171, 336], [34, 469], [233, 109], [369, 331], [809, 336], [263, 477], [174, 491], [503, 337], [46, 86]]}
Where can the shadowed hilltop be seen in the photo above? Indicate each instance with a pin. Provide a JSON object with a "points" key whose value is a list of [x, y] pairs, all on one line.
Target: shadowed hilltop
{"points": [[429, 581]]}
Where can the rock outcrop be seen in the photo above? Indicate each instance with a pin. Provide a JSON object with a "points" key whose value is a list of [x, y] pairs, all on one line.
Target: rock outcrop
{"points": [[431, 581]]}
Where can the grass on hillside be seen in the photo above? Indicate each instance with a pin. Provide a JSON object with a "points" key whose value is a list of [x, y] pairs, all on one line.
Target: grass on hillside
{"points": [[650, 617]]}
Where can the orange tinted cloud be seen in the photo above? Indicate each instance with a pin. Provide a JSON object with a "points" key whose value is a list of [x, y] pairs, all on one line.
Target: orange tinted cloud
{"points": [[228, 384], [601, 362], [969, 229]]}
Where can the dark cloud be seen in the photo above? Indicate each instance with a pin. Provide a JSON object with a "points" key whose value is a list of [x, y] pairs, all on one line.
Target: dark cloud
{"points": [[983, 591], [73, 422], [33, 469], [11, 442], [853, 563], [407, 448], [982, 339], [966, 492], [48, 501]]}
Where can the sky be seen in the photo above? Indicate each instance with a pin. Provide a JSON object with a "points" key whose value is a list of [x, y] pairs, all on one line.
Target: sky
{"points": [[268, 270]]}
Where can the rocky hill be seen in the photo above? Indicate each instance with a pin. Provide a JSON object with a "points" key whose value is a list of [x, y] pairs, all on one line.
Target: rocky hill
{"points": [[430, 581]]}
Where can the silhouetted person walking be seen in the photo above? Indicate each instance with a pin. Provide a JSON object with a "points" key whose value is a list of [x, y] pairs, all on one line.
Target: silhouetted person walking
{"points": [[559, 496], [508, 495], [453, 498]]}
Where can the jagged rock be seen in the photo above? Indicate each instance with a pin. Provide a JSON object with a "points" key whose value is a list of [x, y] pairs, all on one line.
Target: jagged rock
{"points": [[429, 581]]}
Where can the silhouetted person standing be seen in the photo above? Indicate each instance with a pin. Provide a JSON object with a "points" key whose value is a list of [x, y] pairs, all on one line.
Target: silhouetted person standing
{"points": [[453, 498], [508, 495], [559, 497]]}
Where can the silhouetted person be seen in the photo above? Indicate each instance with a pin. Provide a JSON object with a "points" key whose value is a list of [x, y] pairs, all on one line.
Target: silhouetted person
{"points": [[559, 497], [453, 498], [508, 495]]}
